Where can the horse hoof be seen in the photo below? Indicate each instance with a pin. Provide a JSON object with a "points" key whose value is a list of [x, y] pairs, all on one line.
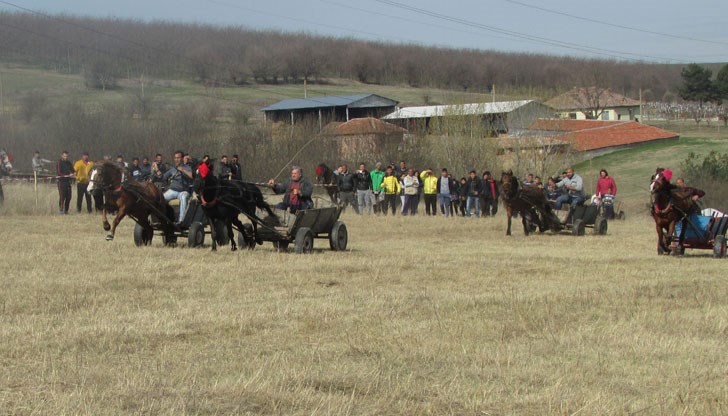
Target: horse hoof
{"points": [[107, 227], [109, 237], [233, 248]]}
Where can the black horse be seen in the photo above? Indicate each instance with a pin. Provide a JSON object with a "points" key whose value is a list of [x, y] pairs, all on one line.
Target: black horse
{"points": [[326, 178], [530, 201], [224, 200]]}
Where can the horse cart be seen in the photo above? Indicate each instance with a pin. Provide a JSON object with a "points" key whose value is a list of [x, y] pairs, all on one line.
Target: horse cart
{"points": [[704, 232], [579, 218], [192, 227], [303, 227]]}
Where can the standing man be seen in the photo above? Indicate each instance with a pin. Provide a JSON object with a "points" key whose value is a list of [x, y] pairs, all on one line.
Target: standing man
{"points": [[445, 190], [146, 169], [235, 169], [411, 185], [429, 189], [158, 168], [377, 176], [225, 172], [490, 195], [400, 173], [345, 182], [38, 162], [64, 171], [135, 170], [83, 168], [391, 189], [363, 184], [474, 187]]}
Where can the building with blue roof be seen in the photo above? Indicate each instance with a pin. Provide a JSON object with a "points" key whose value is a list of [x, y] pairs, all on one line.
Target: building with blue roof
{"points": [[330, 108]]}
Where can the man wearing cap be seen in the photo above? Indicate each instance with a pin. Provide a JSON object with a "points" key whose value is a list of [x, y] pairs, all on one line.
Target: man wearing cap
{"points": [[83, 169], [574, 186]]}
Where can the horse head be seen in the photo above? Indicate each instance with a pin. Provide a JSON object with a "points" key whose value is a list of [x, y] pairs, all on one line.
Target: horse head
{"points": [[108, 177], [508, 185], [323, 174]]}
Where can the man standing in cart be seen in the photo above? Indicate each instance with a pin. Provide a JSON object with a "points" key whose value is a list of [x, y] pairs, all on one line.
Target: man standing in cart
{"points": [[297, 191]]}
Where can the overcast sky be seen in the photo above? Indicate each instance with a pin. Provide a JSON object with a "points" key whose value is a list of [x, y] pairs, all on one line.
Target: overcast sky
{"points": [[663, 31]]}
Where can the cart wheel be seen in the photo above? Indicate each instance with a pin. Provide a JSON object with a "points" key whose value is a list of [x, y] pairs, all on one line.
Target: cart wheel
{"points": [[600, 227], [280, 245], [223, 238], [304, 240], [246, 238], [138, 235], [621, 215], [338, 237], [196, 235], [719, 246], [578, 228]]}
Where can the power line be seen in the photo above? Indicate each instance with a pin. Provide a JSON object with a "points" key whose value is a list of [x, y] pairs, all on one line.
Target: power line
{"points": [[567, 45], [601, 22]]}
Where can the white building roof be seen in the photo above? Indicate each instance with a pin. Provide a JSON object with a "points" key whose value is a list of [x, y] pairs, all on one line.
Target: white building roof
{"points": [[456, 110]]}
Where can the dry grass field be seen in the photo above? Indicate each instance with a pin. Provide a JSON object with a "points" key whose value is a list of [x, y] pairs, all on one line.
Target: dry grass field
{"points": [[421, 316]]}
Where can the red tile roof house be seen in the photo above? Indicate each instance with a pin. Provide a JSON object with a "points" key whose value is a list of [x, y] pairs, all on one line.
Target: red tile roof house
{"points": [[362, 137], [596, 137]]}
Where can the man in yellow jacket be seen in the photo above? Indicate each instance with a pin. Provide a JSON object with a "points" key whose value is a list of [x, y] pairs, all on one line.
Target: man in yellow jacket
{"points": [[83, 169], [429, 188], [391, 188]]}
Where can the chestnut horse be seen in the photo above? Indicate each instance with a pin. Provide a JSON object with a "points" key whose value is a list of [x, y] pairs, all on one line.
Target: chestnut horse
{"points": [[668, 207], [128, 197], [529, 200]]}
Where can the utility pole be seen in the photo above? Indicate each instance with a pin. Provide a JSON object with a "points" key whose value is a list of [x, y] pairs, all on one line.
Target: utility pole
{"points": [[2, 101], [492, 93], [642, 116], [305, 92]]}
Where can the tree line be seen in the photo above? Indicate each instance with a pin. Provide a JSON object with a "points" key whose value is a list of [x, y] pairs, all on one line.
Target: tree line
{"points": [[107, 49]]}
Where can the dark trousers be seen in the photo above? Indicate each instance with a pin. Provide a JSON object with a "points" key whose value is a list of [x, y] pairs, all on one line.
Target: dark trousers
{"points": [[410, 204], [64, 194], [488, 206], [390, 200], [347, 198], [462, 205], [81, 194], [2, 195], [431, 204], [98, 195]]}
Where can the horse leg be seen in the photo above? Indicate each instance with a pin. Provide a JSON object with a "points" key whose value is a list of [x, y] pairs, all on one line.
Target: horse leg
{"points": [[509, 214], [117, 219], [104, 220], [213, 232], [229, 224]]}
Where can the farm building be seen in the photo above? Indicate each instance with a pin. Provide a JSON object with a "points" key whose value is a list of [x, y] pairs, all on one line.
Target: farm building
{"points": [[596, 104], [324, 110], [361, 137], [492, 119], [596, 137]]}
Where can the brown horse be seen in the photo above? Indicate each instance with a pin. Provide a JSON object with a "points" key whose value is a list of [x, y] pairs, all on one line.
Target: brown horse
{"points": [[668, 207], [128, 197], [530, 201]]}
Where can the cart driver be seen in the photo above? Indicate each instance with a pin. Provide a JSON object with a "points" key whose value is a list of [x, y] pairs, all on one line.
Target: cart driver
{"points": [[694, 193], [180, 177], [297, 191], [574, 186]]}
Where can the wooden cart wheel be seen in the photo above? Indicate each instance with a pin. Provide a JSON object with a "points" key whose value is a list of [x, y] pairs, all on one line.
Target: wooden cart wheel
{"points": [[338, 237], [246, 237], [196, 234], [719, 247], [304, 240], [578, 228]]}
